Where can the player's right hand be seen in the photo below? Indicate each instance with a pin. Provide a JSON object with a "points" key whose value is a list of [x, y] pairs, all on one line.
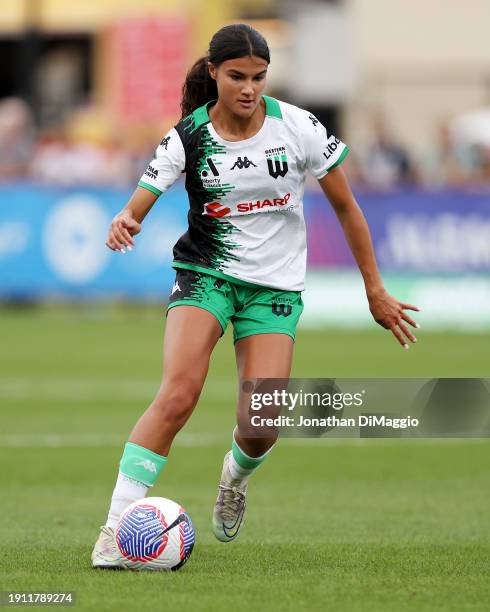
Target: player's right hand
{"points": [[121, 232]]}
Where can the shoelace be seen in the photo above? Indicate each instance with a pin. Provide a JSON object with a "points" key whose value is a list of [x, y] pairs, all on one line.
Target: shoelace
{"points": [[107, 530], [231, 500], [110, 533]]}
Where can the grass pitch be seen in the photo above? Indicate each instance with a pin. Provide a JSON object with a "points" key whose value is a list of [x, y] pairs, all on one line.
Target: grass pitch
{"points": [[378, 525]]}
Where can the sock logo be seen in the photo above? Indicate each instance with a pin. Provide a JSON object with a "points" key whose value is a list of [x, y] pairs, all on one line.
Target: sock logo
{"points": [[148, 465]]}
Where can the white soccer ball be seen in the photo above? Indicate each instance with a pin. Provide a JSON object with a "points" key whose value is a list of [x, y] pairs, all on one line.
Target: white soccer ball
{"points": [[154, 534]]}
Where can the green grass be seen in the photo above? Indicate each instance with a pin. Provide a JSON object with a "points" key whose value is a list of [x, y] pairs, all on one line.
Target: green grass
{"points": [[380, 525]]}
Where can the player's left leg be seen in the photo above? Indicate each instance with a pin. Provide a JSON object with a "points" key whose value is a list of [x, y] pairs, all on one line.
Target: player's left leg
{"points": [[258, 356]]}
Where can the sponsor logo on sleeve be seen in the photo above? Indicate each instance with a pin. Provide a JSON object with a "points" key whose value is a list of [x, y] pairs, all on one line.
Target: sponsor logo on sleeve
{"points": [[313, 119], [151, 172], [331, 148]]}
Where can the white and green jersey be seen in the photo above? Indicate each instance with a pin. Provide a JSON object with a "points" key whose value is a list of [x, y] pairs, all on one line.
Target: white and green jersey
{"points": [[246, 198]]}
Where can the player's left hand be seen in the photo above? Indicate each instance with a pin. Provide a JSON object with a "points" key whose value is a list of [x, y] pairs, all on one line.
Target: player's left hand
{"points": [[390, 314]]}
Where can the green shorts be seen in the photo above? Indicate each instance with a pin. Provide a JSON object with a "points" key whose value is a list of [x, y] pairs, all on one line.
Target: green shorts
{"points": [[252, 309]]}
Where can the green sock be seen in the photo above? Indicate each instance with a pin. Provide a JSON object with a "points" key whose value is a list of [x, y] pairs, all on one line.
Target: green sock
{"points": [[141, 464], [241, 464]]}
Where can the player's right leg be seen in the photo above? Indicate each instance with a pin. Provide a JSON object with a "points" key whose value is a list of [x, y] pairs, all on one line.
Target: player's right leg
{"points": [[190, 336]]}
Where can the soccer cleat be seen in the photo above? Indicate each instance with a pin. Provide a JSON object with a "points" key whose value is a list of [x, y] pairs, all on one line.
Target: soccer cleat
{"points": [[230, 505], [106, 554]]}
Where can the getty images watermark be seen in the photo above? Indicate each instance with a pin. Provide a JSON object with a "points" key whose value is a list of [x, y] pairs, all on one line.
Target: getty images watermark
{"points": [[365, 408], [305, 400]]}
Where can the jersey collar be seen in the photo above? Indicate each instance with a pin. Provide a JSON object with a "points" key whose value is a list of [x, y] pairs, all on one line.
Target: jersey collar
{"points": [[201, 115]]}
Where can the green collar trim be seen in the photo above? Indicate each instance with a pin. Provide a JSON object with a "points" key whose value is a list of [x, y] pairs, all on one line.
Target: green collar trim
{"points": [[272, 107], [200, 116]]}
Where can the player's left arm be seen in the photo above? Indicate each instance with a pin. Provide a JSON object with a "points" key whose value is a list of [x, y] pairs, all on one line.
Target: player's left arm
{"points": [[386, 309]]}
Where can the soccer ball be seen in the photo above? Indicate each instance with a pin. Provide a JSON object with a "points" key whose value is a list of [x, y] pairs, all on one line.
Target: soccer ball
{"points": [[154, 534]]}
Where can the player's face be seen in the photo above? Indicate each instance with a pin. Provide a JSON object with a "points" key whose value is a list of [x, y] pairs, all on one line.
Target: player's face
{"points": [[240, 83]]}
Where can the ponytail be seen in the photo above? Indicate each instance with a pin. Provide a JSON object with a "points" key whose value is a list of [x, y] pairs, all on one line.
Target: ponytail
{"points": [[231, 42], [199, 87]]}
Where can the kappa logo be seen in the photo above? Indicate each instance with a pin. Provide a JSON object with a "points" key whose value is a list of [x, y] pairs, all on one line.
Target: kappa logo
{"points": [[164, 142], [216, 209], [175, 288], [283, 310], [148, 465], [243, 163]]}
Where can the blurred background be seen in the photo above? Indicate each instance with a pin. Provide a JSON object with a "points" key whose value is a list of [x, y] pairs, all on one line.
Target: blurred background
{"points": [[88, 88]]}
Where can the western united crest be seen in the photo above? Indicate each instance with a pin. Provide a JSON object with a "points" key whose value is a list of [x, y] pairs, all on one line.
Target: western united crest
{"points": [[277, 161]]}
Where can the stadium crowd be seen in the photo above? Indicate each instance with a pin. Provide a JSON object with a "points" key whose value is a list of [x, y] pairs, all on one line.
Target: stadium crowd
{"points": [[67, 155]]}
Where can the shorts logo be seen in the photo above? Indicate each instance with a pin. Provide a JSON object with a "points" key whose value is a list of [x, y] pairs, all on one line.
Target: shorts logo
{"points": [[281, 309], [313, 119], [164, 142], [215, 209]]}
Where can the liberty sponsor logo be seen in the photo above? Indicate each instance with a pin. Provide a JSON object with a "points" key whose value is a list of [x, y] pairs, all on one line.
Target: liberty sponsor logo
{"points": [[212, 167], [148, 465], [164, 142], [263, 204], [210, 176], [215, 209], [175, 288], [151, 172], [243, 163], [331, 148], [277, 161]]}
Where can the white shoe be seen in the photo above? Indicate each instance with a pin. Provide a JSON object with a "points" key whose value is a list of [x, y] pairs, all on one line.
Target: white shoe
{"points": [[106, 553], [230, 505]]}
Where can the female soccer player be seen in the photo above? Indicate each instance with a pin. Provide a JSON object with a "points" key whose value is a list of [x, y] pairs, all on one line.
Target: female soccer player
{"points": [[242, 259]]}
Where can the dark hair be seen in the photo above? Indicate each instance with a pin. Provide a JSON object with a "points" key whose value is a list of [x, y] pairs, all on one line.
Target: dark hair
{"points": [[231, 42]]}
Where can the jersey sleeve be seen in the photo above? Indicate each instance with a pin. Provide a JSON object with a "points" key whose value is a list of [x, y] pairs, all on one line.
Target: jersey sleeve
{"points": [[323, 150], [167, 165]]}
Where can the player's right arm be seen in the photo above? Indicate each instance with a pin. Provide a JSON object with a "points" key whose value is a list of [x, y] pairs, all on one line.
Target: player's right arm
{"points": [[127, 223], [164, 169]]}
